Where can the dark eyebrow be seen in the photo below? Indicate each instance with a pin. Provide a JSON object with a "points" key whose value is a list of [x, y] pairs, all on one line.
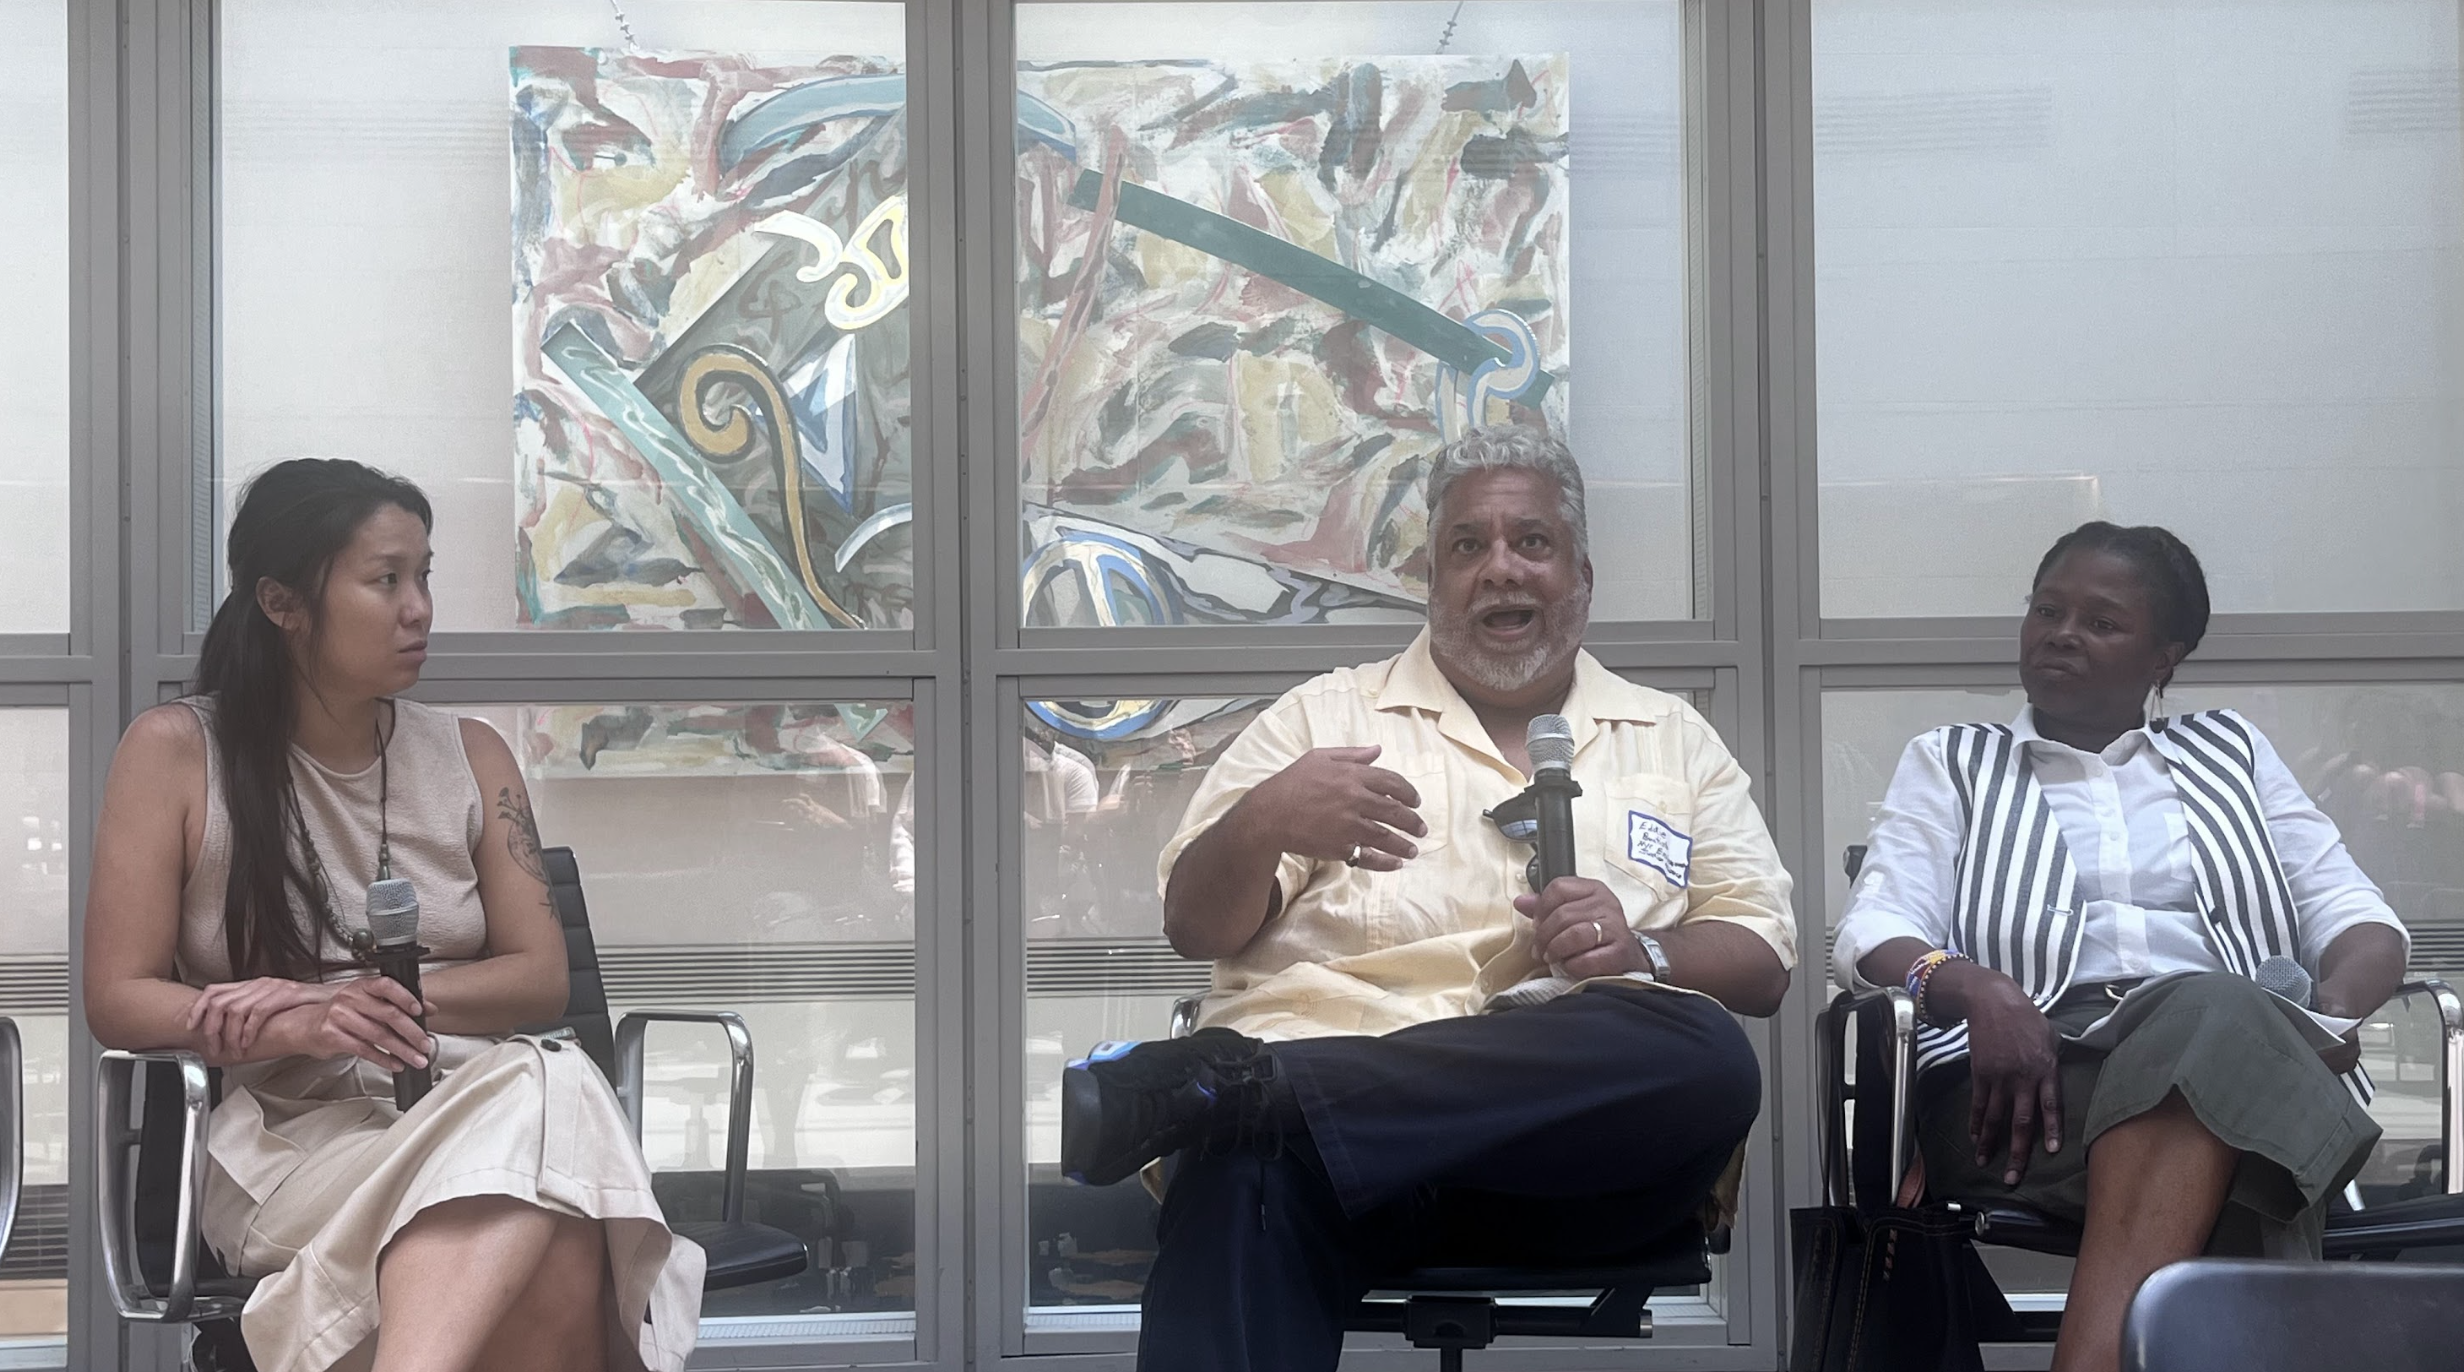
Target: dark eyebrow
{"points": [[2092, 601]]}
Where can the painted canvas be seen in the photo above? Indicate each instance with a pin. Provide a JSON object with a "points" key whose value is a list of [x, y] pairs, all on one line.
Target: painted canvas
{"points": [[1254, 298], [710, 277]]}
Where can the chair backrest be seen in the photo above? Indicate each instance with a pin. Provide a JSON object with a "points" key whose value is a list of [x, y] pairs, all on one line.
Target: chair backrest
{"points": [[586, 994], [2230, 1315]]}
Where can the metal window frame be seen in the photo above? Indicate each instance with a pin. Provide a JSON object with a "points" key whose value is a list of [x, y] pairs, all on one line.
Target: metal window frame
{"points": [[1811, 655], [148, 156], [142, 262], [1719, 654]]}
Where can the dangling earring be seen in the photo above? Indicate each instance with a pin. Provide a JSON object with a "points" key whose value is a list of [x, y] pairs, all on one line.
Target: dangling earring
{"points": [[2155, 702]]}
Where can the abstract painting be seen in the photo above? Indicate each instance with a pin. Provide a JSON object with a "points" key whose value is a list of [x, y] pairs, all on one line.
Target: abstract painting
{"points": [[711, 409], [1254, 298]]}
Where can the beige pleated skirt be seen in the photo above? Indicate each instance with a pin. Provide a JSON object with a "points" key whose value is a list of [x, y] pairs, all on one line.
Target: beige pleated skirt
{"points": [[313, 1172]]}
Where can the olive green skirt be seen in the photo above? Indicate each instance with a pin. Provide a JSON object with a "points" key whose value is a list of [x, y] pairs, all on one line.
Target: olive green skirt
{"points": [[2244, 1070]]}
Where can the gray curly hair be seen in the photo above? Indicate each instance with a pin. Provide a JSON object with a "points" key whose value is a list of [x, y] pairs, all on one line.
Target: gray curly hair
{"points": [[1513, 447]]}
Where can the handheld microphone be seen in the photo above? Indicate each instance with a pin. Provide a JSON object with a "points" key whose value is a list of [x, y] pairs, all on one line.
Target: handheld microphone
{"points": [[393, 929], [2285, 977], [1550, 741]]}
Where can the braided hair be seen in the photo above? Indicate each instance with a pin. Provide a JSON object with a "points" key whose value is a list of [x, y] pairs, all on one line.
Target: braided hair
{"points": [[2176, 585]]}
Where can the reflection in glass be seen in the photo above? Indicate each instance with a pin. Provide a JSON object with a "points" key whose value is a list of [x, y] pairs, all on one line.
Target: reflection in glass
{"points": [[706, 262], [742, 857], [34, 349], [1260, 284], [2170, 263], [1096, 814], [34, 883]]}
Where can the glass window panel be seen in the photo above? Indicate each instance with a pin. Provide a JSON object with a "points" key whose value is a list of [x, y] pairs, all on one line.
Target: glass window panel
{"points": [[34, 880], [1106, 785], [1205, 439], [1096, 813], [34, 390], [689, 434], [747, 857], [2386, 762], [2175, 263]]}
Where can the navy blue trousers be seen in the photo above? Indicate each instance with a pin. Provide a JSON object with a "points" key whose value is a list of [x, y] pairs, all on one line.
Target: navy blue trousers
{"points": [[1577, 1130]]}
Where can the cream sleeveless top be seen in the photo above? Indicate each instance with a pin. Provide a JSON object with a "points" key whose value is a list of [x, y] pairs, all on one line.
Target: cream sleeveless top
{"points": [[433, 811]]}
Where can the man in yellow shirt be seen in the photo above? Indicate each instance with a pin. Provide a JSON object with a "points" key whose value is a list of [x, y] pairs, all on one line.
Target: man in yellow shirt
{"points": [[1393, 1070]]}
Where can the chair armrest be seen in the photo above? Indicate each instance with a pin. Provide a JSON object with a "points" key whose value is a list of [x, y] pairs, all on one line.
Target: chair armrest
{"points": [[629, 1032], [1832, 1029], [115, 1184], [2450, 1070], [13, 1128], [1185, 1014]]}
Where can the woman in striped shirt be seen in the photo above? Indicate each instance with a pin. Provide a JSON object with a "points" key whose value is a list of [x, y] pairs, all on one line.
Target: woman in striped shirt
{"points": [[2092, 905]]}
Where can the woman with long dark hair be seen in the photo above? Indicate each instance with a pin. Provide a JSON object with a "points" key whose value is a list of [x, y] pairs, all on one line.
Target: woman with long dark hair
{"points": [[2111, 920], [504, 1221]]}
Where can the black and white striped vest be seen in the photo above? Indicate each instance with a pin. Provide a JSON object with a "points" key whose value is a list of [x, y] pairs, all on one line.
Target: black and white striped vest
{"points": [[2015, 902]]}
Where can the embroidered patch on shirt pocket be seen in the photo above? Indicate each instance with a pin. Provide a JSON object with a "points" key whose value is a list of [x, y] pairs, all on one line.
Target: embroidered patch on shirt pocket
{"points": [[1648, 833], [1659, 845]]}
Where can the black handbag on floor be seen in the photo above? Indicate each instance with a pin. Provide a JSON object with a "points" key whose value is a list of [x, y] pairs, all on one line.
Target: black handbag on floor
{"points": [[1881, 1288], [1894, 1291]]}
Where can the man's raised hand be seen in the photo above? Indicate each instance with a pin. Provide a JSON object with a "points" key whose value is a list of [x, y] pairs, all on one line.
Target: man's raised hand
{"points": [[1332, 803]]}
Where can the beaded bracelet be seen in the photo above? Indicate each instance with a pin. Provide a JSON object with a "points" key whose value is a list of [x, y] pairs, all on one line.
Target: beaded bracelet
{"points": [[1921, 974]]}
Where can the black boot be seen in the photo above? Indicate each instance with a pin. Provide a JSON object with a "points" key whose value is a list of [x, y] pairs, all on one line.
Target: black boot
{"points": [[1126, 1104]]}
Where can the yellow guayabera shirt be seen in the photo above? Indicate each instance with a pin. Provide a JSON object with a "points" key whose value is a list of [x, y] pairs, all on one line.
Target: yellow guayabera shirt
{"points": [[1664, 819]]}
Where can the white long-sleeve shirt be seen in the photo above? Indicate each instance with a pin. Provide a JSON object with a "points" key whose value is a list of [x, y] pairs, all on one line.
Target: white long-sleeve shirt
{"points": [[2128, 839]]}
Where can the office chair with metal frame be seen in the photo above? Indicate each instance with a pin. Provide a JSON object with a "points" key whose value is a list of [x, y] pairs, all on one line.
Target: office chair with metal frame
{"points": [[1454, 1309], [151, 1175], [1886, 1018]]}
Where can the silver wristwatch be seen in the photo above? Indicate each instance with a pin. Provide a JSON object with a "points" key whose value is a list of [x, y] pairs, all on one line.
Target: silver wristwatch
{"points": [[1655, 955]]}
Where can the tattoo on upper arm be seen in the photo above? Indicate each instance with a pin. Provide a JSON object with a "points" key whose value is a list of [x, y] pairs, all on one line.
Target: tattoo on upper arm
{"points": [[522, 833]]}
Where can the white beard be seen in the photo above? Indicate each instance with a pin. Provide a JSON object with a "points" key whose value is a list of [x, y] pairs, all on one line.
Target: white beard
{"points": [[1560, 637]]}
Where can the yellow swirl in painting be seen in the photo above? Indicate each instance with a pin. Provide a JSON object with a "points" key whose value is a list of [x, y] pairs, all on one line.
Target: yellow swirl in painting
{"points": [[734, 434]]}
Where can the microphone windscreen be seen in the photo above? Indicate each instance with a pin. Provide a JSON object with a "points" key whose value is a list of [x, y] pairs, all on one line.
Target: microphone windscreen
{"points": [[2286, 978], [1550, 741], [393, 912]]}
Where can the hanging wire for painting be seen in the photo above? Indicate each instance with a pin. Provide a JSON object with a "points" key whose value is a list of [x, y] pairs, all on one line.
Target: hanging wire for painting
{"points": [[1442, 39], [634, 49]]}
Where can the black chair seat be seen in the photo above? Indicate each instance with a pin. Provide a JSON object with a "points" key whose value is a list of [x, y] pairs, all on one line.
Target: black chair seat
{"points": [[2423, 1222], [1454, 1308], [743, 1253], [1659, 1271]]}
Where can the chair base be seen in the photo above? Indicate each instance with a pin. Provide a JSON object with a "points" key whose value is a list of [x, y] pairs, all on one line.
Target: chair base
{"points": [[1449, 1325]]}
